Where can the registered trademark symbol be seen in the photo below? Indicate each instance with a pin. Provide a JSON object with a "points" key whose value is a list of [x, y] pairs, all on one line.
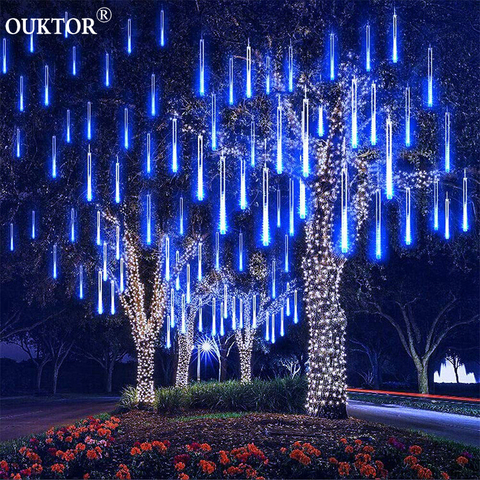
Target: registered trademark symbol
{"points": [[104, 14]]}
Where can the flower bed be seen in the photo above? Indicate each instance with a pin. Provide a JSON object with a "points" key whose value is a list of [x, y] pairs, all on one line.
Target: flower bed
{"points": [[90, 450]]}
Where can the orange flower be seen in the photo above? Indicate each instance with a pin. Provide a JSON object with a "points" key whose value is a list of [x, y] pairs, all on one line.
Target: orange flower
{"points": [[283, 450], [4, 465], [297, 445], [415, 450], [296, 454], [445, 475], [183, 476], [207, 467], [410, 460], [305, 460], [37, 469], [333, 461], [160, 446], [179, 466], [250, 472], [17, 477], [205, 447], [348, 449], [92, 454], [146, 447], [311, 450], [223, 457], [57, 468], [423, 472], [233, 471], [300, 457], [368, 449], [368, 471], [49, 440], [123, 473], [80, 447], [343, 440], [379, 464], [135, 451], [343, 469], [86, 476], [358, 441], [68, 439], [462, 461]]}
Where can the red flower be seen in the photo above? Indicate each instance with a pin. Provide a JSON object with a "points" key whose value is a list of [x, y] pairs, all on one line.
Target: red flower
{"points": [[57, 468], [343, 469], [410, 460], [415, 450], [179, 466], [368, 471], [207, 467], [445, 476], [348, 449], [184, 458], [462, 461], [135, 451], [92, 454], [123, 472]]}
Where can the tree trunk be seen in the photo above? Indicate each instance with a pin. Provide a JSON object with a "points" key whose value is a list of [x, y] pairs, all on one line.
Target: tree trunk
{"points": [[39, 376], [223, 363], [183, 365], [145, 366], [455, 369], [422, 376], [109, 377], [56, 368], [326, 395], [245, 365], [375, 371]]}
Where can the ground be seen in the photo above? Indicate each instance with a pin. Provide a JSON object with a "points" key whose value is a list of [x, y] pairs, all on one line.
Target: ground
{"points": [[268, 431]]}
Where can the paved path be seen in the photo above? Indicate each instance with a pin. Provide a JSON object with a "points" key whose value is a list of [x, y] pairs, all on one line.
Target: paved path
{"points": [[459, 428], [24, 416]]}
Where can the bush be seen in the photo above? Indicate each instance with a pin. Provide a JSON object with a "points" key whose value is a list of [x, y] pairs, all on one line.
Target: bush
{"points": [[282, 395], [129, 398]]}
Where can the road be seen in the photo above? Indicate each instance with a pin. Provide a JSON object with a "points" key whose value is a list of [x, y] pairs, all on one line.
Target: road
{"points": [[24, 416], [458, 428]]}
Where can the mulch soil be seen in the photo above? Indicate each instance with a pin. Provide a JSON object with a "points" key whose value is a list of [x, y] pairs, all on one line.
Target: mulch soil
{"points": [[267, 431]]}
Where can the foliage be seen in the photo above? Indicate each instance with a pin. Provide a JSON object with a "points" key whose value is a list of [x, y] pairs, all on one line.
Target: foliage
{"points": [[129, 398], [284, 395]]}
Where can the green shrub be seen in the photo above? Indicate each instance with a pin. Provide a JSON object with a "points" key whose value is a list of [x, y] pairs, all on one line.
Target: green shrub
{"points": [[129, 398], [283, 395], [172, 399]]}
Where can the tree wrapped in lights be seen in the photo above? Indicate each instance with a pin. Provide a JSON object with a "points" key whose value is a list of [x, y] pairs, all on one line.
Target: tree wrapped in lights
{"points": [[200, 299], [258, 307], [147, 324]]}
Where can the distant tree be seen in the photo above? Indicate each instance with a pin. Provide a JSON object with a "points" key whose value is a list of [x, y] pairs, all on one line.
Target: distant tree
{"points": [[106, 342], [30, 342], [425, 300]]}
